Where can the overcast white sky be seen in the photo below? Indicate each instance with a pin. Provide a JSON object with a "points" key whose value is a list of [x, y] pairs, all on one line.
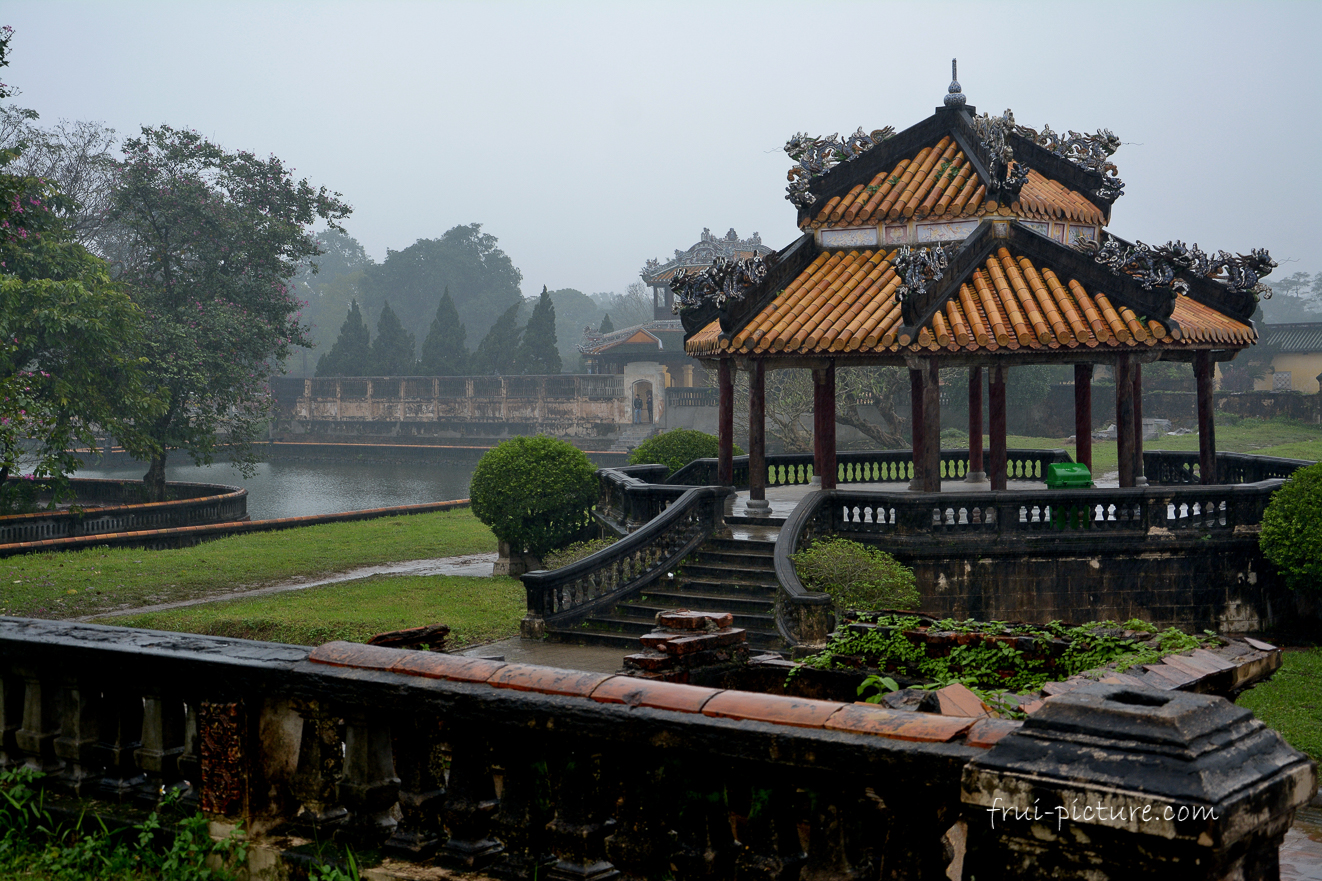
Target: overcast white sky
{"points": [[588, 137]]}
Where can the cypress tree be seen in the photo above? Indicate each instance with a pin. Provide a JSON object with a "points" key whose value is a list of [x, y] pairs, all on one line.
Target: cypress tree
{"points": [[606, 326], [495, 354], [392, 350], [538, 354], [351, 354], [445, 352]]}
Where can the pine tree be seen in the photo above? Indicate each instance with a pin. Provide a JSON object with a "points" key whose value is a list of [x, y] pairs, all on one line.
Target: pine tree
{"points": [[538, 354], [606, 326], [495, 354], [351, 355], [392, 350], [445, 352]]}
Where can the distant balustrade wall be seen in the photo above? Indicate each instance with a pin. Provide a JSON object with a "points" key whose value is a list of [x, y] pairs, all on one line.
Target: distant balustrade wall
{"points": [[532, 772]]}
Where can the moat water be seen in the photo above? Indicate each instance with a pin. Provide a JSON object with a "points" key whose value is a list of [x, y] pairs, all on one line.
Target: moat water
{"points": [[299, 489]]}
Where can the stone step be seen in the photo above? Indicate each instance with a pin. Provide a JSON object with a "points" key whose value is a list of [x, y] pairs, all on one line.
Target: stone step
{"points": [[725, 587], [692, 572], [723, 557], [745, 545], [705, 602]]}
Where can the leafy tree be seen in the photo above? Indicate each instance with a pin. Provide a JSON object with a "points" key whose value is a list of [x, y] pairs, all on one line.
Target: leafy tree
{"points": [[445, 351], [677, 448], [534, 493], [210, 239], [392, 350], [495, 354], [329, 283], [69, 337], [537, 353], [1291, 534], [857, 576], [606, 326], [484, 280], [352, 353]]}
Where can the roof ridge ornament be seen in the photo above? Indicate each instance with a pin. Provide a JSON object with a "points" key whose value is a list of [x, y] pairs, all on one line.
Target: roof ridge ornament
{"points": [[1008, 175], [725, 280], [955, 98], [1089, 152], [917, 268], [817, 156], [1159, 266]]}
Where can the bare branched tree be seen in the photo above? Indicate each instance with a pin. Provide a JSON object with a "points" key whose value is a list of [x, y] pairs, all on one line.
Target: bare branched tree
{"points": [[789, 397], [631, 308]]}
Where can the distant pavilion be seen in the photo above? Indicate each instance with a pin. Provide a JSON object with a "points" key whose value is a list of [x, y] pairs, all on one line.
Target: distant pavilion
{"points": [[964, 242]]}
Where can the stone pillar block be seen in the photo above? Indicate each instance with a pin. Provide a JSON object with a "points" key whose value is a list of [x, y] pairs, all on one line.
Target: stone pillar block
{"points": [[1115, 782]]}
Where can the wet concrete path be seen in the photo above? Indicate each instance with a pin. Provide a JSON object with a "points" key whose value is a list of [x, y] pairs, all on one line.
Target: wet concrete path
{"points": [[467, 564]]}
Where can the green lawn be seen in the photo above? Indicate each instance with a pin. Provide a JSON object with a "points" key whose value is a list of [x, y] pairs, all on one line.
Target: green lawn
{"points": [[475, 609], [1291, 701], [72, 583]]}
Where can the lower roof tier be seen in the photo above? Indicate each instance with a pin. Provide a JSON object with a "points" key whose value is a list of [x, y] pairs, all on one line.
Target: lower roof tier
{"points": [[845, 302]]}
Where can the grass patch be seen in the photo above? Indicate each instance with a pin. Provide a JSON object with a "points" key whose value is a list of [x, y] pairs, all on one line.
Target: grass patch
{"points": [[475, 609], [1291, 701], [72, 583]]}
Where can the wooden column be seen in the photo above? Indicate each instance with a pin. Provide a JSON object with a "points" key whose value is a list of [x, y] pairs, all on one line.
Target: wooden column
{"points": [[1124, 418], [931, 427], [824, 425], [1139, 479], [1083, 414], [1203, 371], [996, 399], [757, 432], [916, 418], [977, 474], [725, 423]]}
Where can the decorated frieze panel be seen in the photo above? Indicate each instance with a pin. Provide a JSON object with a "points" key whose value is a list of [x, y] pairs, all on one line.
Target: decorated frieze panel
{"points": [[1041, 227], [949, 231], [848, 238]]}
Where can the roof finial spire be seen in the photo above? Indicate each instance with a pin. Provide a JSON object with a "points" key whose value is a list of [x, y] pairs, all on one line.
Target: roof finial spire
{"points": [[955, 100]]}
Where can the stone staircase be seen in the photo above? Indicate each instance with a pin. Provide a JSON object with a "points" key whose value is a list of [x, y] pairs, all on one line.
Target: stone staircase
{"points": [[735, 575], [631, 436]]}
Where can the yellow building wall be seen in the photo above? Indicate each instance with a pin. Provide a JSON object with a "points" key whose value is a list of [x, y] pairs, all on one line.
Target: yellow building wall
{"points": [[1303, 369]]}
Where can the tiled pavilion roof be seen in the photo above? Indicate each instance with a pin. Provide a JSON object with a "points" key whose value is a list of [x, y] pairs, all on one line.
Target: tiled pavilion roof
{"points": [[844, 303]]}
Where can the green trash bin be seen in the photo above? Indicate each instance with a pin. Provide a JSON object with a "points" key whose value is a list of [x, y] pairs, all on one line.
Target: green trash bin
{"points": [[1068, 475]]}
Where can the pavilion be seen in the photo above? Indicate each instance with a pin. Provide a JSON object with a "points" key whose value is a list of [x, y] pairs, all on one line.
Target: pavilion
{"points": [[964, 242]]}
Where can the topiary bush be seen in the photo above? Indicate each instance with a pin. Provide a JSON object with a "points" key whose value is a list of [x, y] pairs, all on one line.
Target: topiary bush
{"points": [[856, 576], [676, 448], [534, 492], [1291, 534]]}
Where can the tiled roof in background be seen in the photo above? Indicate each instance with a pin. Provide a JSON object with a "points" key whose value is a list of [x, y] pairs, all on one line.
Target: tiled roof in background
{"points": [[941, 182], [844, 302], [1299, 338]]}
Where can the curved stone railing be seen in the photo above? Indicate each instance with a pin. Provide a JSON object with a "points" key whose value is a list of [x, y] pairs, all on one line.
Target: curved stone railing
{"points": [[532, 772], [203, 504], [867, 466], [570, 593], [1171, 466]]}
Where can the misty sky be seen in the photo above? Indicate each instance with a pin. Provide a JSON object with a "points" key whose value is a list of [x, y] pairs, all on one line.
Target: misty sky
{"points": [[588, 137]]}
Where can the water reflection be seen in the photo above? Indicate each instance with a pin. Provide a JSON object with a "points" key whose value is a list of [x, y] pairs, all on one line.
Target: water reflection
{"points": [[298, 489]]}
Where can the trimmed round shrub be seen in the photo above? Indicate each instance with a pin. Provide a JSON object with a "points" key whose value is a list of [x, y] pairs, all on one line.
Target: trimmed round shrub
{"points": [[676, 448], [1291, 534], [856, 576], [534, 492]]}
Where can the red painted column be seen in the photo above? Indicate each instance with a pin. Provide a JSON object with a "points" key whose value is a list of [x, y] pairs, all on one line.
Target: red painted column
{"points": [[1124, 418], [757, 432], [932, 426], [977, 473], [1083, 414], [1138, 424], [916, 418], [824, 425], [1203, 370], [996, 399], [725, 423]]}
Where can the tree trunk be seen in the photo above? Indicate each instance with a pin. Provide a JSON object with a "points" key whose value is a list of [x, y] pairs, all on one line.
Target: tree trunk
{"points": [[153, 482], [847, 414]]}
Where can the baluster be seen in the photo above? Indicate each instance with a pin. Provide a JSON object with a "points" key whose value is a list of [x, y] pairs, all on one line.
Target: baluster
{"points": [[470, 805], [11, 719], [216, 756], [162, 745], [368, 787], [41, 724], [524, 810], [76, 745], [582, 820], [845, 832], [768, 846], [320, 762], [703, 840], [121, 736]]}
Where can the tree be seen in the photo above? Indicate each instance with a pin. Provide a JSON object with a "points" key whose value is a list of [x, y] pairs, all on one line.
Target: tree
{"points": [[69, 364], [352, 353], [606, 326], [537, 353], [632, 307], [445, 351], [495, 354], [677, 448], [1291, 534], [484, 280], [392, 350], [210, 239], [534, 492]]}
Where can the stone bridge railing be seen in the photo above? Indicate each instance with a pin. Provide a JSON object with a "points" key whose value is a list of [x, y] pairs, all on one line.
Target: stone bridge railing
{"points": [[533, 772], [199, 504]]}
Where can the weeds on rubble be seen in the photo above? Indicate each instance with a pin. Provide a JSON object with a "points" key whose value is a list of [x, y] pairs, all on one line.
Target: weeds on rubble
{"points": [[34, 845]]}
